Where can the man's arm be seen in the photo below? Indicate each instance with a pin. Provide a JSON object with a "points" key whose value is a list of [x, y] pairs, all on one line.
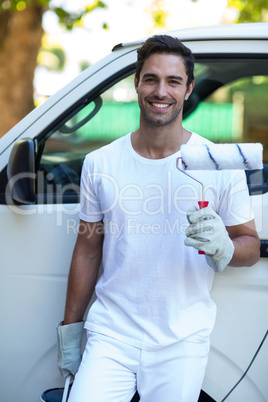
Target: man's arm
{"points": [[84, 270], [246, 243]]}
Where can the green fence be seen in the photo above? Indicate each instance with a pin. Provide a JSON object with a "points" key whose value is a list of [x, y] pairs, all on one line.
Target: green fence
{"points": [[217, 122]]}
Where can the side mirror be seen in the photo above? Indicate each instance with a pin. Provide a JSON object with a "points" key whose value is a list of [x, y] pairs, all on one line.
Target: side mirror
{"points": [[21, 171]]}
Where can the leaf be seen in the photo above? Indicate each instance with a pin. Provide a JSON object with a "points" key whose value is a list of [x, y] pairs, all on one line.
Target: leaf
{"points": [[61, 13], [43, 3], [96, 4], [250, 10]]}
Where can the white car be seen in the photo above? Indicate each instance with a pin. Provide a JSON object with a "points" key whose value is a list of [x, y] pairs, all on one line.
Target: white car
{"points": [[40, 165]]}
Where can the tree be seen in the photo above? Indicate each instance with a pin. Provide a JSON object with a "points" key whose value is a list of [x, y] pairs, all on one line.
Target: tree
{"points": [[20, 40], [250, 10]]}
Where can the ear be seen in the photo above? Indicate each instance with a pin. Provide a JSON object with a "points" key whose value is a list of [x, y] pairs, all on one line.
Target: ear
{"points": [[189, 90]]}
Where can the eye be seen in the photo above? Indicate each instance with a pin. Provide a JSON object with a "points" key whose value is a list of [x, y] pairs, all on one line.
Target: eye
{"points": [[149, 79], [174, 82]]}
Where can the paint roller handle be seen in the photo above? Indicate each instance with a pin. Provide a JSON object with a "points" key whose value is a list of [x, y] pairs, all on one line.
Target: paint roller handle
{"points": [[202, 204], [66, 388]]}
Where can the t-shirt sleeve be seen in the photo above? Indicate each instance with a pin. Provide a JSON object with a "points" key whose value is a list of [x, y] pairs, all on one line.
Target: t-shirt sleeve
{"points": [[235, 205], [90, 209]]}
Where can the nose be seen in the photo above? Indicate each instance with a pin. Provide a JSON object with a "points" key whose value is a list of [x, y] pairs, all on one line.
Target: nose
{"points": [[161, 89]]}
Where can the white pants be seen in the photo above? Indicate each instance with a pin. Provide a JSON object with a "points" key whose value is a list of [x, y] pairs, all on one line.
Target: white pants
{"points": [[111, 371]]}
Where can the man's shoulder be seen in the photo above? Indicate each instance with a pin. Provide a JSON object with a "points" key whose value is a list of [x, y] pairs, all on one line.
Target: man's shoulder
{"points": [[111, 150]]}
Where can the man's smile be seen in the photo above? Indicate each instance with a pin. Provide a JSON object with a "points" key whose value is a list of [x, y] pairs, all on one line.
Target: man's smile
{"points": [[160, 105]]}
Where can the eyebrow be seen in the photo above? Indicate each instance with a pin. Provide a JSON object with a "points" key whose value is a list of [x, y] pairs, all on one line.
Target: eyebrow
{"points": [[176, 77]]}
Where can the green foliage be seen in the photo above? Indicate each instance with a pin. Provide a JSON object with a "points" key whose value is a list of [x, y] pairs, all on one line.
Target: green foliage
{"points": [[52, 58], [158, 12], [16, 5], [73, 19], [69, 19], [250, 10], [43, 3], [84, 65], [97, 3]]}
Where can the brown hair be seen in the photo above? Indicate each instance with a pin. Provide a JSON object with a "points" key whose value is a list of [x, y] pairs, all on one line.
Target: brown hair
{"points": [[166, 44]]}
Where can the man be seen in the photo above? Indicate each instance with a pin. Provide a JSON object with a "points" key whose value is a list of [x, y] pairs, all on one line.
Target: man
{"points": [[150, 325]]}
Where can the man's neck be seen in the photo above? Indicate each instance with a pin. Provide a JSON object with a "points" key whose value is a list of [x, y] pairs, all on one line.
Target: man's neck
{"points": [[158, 142]]}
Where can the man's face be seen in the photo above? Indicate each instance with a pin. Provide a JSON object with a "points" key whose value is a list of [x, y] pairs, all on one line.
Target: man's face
{"points": [[162, 89]]}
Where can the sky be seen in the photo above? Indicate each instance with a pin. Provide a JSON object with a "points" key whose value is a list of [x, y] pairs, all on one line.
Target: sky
{"points": [[128, 20]]}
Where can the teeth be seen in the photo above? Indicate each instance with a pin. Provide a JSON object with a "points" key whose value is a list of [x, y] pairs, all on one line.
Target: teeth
{"points": [[160, 105]]}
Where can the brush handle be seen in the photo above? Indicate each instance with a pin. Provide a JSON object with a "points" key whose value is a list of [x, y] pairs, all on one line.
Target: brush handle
{"points": [[66, 388], [202, 204]]}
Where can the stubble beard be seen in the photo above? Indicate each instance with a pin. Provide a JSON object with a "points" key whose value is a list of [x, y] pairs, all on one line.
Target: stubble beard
{"points": [[159, 122]]}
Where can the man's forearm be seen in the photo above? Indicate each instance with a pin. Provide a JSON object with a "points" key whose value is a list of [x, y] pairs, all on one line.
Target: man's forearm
{"points": [[81, 284], [247, 251], [83, 276], [84, 270], [247, 244]]}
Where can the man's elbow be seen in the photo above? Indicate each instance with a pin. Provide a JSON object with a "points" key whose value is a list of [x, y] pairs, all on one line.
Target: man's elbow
{"points": [[247, 251], [255, 252]]}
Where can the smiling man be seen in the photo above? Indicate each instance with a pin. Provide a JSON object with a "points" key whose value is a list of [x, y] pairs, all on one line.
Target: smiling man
{"points": [[149, 328], [162, 89]]}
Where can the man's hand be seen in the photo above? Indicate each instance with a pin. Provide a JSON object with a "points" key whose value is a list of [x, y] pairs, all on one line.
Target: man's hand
{"points": [[207, 233], [69, 339]]}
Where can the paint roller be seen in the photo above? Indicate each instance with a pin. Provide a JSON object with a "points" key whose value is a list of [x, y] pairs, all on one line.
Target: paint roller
{"points": [[219, 157]]}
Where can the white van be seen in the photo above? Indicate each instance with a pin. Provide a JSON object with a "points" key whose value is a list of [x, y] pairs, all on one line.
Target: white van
{"points": [[40, 165]]}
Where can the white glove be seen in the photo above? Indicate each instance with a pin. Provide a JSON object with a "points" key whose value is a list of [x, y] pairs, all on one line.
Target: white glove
{"points": [[69, 339], [207, 233]]}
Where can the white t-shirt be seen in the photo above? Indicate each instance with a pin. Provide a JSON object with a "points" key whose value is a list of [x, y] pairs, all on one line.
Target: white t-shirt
{"points": [[154, 290]]}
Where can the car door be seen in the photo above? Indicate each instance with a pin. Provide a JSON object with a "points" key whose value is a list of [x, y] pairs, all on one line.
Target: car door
{"points": [[38, 238], [237, 88]]}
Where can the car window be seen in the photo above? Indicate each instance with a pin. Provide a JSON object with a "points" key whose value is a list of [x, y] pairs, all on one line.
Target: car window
{"points": [[235, 112], [108, 117], [228, 104], [236, 109]]}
